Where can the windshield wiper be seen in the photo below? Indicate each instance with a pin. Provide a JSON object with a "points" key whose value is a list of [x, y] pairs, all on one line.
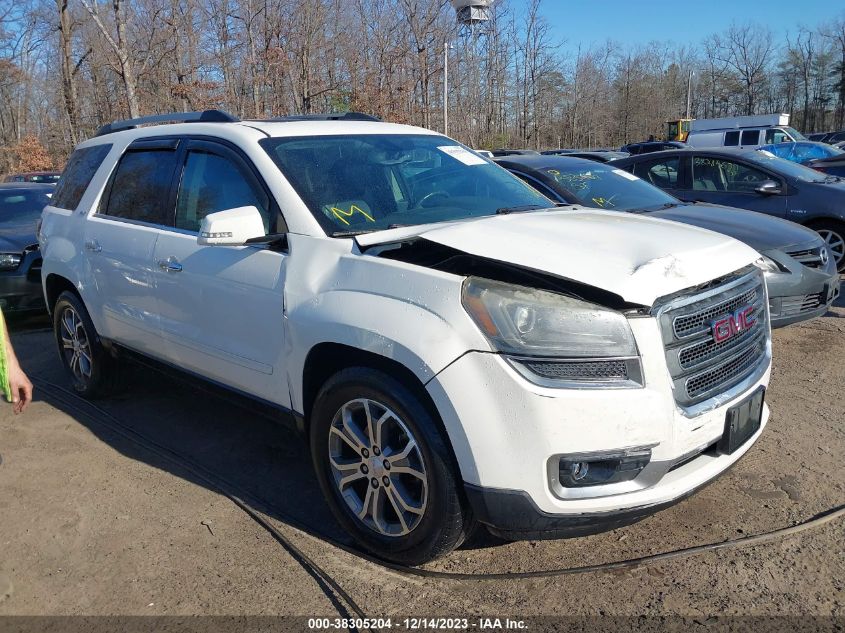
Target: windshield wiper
{"points": [[659, 207], [350, 233], [529, 207], [520, 209]]}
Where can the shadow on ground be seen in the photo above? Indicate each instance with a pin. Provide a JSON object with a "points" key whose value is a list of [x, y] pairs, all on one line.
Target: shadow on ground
{"points": [[257, 455]]}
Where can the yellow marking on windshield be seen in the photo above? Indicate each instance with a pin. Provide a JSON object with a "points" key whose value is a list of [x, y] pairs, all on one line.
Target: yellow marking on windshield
{"points": [[341, 215]]}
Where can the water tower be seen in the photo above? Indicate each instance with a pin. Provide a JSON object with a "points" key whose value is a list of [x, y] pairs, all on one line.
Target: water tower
{"points": [[472, 14]]}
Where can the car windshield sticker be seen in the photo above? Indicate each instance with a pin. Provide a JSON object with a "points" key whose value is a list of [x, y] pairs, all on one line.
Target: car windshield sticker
{"points": [[625, 174], [464, 155], [342, 214]]}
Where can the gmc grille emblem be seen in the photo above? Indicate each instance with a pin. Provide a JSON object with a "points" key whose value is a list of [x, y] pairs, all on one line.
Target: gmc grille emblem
{"points": [[733, 324]]}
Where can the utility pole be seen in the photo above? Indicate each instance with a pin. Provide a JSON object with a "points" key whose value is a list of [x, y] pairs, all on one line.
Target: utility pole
{"points": [[446, 88], [689, 91]]}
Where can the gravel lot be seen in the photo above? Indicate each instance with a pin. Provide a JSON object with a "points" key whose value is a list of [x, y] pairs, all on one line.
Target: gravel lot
{"points": [[94, 523]]}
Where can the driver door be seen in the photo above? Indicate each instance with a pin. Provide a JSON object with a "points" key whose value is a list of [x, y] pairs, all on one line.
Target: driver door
{"points": [[221, 307]]}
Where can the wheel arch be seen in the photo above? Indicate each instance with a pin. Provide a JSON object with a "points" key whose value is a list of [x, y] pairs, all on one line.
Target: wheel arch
{"points": [[54, 285], [327, 358]]}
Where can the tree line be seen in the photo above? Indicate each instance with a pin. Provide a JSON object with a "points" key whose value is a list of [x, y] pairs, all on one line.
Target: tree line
{"points": [[517, 80]]}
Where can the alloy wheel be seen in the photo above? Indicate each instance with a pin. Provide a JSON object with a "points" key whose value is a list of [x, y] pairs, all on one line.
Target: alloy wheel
{"points": [[75, 345], [377, 467], [835, 244]]}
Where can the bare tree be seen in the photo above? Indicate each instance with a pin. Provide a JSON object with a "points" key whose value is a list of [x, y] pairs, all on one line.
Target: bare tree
{"points": [[747, 49], [120, 46]]}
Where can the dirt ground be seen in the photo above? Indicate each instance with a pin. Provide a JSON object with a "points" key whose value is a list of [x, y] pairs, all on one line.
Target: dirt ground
{"points": [[94, 523]]}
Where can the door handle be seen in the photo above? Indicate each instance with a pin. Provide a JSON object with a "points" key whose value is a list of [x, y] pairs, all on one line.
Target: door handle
{"points": [[171, 265], [93, 246]]}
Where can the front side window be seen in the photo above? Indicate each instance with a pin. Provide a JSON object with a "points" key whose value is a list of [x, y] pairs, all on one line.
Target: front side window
{"points": [[140, 187], [716, 174], [76, 177], [362, 183], [777, 135], [662, 173], [212, 183]]}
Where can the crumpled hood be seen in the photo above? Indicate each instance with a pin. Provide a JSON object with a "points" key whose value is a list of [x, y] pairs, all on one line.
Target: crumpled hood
{"points": [[636, 257], [761, 232]]}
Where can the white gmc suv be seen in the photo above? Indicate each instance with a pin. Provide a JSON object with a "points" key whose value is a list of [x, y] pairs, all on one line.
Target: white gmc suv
{"points": [[456, 349]]}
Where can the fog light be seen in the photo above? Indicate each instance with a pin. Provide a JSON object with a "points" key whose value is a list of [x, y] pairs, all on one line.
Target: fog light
{"points": [[579, 470], [599, 469]]}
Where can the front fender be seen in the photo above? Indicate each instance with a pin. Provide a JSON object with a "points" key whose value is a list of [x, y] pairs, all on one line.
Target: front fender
{"points": [[409, 334]]}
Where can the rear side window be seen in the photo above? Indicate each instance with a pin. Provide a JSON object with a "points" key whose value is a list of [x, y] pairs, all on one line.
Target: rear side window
{"points": [[76, 177], [750, 137], [662, 173], [140, 188], [731, 139]]}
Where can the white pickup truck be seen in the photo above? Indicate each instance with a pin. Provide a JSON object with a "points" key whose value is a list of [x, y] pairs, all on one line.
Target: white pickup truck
{"points": [[457, 349]]}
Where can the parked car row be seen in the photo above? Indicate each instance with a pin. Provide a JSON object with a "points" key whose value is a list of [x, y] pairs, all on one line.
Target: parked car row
{"points": [[800, 274], [42, 177], [753, 180]]}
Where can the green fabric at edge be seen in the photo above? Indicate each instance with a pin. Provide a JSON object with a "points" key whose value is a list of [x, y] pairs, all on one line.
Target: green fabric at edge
{"points": [[4, 364]]}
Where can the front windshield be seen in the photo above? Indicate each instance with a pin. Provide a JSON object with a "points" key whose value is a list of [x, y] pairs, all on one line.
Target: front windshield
{"points": [[784, 167], [17, 206], [605, 187], [795, 134], [362, 183]]}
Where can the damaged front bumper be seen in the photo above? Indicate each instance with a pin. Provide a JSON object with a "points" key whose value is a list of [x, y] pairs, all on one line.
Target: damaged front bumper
{"points": [[509, 436]]}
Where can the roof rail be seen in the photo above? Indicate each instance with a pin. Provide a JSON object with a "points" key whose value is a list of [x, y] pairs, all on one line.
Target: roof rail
{"points": [[331, 116], [207, 116]]}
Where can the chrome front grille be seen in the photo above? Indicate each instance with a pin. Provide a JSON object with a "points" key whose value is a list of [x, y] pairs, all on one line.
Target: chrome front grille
{"points": [[695, 324], [701, 367]]}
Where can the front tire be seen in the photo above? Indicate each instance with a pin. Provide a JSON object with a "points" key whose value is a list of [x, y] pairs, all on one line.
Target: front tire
{"points": [[91, 369], [833, 233], [385, 469]]}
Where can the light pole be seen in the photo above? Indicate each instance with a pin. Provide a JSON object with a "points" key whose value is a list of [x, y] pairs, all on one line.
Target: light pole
{"points": [[445, 88], [689, 91]]}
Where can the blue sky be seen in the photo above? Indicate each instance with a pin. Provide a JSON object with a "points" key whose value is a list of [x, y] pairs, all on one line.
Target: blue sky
{"points": [[684, 21]]}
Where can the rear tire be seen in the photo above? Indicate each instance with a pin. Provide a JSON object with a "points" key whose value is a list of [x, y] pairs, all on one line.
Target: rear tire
{"points": [[92, 370], [833, 233], [385, 469]]}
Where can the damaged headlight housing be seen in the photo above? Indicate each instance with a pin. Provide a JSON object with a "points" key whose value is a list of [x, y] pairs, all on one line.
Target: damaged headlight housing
{"points": [[769, 266], [555, 340]]}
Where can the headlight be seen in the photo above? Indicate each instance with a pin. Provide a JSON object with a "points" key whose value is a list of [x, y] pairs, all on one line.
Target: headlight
{"points": [[10, 261], [553, 339], [768, 265]]}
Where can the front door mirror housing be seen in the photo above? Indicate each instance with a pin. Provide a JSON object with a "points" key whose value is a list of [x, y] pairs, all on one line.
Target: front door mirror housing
{"points": [[232, 227], [768, 188]]}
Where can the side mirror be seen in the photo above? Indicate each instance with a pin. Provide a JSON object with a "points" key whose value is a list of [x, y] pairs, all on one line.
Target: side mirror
{"points": [[233, 227], [768, 188]]}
